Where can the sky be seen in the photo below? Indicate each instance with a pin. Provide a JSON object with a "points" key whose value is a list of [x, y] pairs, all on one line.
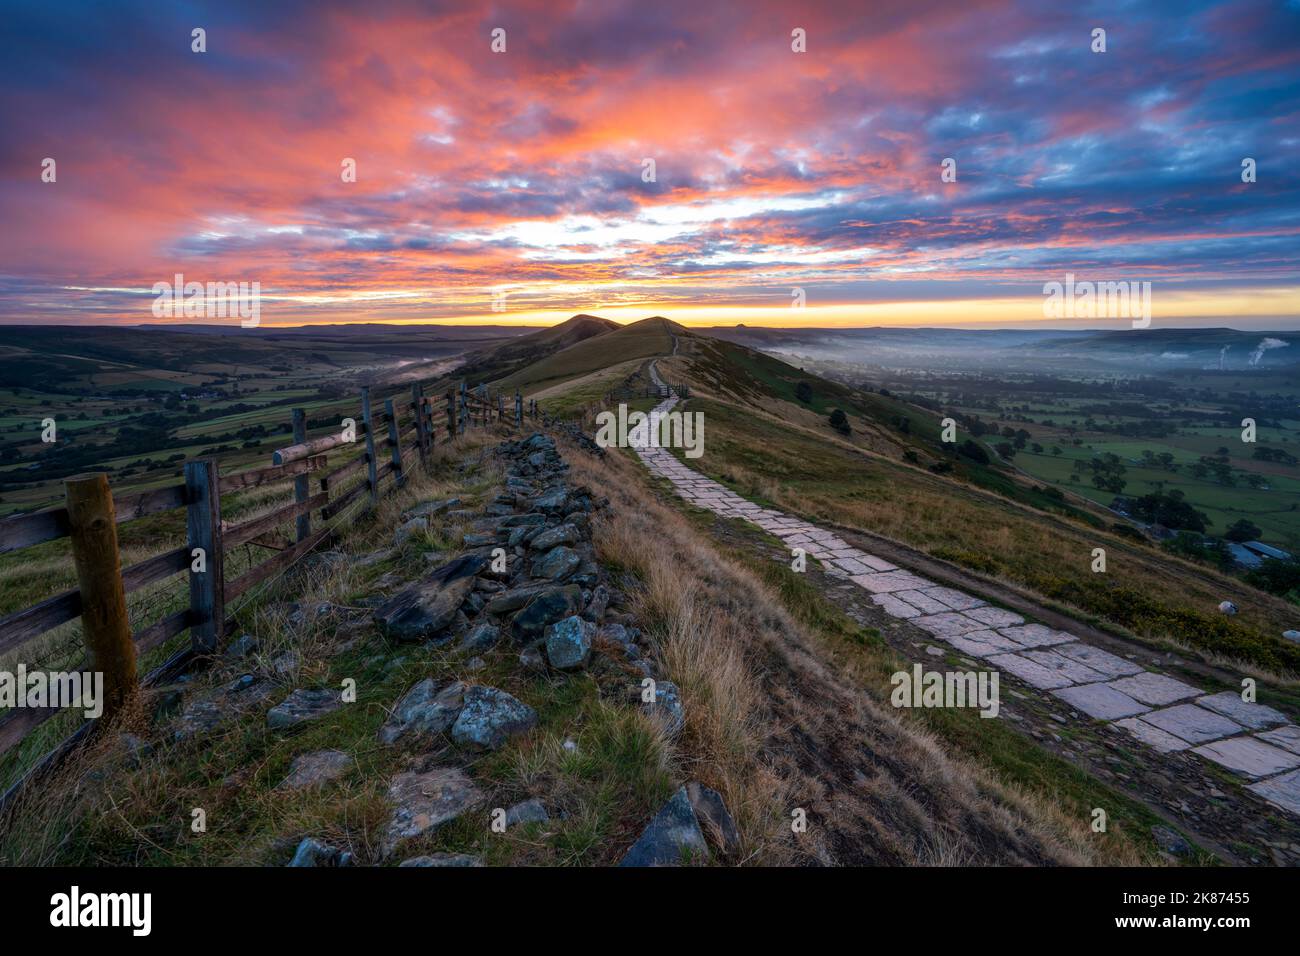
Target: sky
{"points": [[512, 187]]}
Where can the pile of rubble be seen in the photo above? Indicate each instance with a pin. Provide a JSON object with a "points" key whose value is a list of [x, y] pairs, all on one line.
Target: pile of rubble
{"points": [[527, 576]]}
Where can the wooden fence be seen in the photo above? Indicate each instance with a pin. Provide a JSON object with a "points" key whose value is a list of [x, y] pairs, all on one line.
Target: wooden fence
{"points": [[394, 433]]}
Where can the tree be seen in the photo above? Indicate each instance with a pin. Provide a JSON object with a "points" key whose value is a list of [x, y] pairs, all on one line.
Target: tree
{"points": [[1169, 509], [1277, 577], [1004, 449], [1243, 530], [803, 391], [971, 450], [840, 421]]}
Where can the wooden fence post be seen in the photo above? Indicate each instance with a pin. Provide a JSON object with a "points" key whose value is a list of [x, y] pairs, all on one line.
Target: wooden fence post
{"points": [[421, 424], [301, 484], [395, 439], [464, 406], [203, 522], [372, 466], [451, 414], [104, 620], [519, 409]]}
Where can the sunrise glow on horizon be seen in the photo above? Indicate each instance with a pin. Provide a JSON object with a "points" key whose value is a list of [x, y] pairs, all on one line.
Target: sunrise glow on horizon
{"points": [[521, 174]]}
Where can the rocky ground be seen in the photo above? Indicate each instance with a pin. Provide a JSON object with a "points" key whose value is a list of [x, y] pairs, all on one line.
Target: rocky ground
{"points": [[526, 580]]}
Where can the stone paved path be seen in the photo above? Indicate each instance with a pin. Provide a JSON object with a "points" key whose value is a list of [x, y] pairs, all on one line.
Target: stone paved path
{"points": [[1254, 741]]}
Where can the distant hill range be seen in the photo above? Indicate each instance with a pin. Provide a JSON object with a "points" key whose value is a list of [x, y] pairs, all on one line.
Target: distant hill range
{"points": [[1153, 348]]}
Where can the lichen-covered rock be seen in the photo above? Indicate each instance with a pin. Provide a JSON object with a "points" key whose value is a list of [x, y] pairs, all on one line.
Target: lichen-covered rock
{"points": [[713, 818], [425, 609], [568, 643], [549, 606], [246, 645], [301, 706], [428, 509], [563, 534], [672, 838], [429, 707], [425, 801], [312, 852], [490, 717], [241, 694], [409, 529], [480, 637], [667, 706], [316, 769], [529, 811], [557, 563], [553, 499]]}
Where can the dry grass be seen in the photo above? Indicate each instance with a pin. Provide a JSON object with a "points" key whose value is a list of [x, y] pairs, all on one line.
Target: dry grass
{"points": [[774, 726]]}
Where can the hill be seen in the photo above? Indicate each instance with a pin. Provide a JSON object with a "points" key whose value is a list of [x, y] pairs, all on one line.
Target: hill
{"points": [[629, 343], [502, 360]]}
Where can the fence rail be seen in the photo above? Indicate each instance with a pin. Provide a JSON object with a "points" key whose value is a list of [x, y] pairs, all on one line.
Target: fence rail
{"points": [[92, 513]]}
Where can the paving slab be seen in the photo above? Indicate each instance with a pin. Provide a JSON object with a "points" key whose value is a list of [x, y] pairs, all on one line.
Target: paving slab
{"points": [[879, 564], [853, 566], [883, 581], [981, 643], [949, 624], [1076, 671], [1036, 635], [1155, 689], [1194, 724], [894, 607], [922, 602], [1153, 737], [1100, 701], [952, 598], [1254, 716], [1031, 672], [994, 616], [1288, 738], [1249, 756], [1103, 662], [1282, 791]]}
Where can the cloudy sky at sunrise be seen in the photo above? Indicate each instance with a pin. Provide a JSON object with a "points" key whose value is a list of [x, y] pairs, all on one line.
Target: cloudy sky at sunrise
{"points": [[521, 172]]}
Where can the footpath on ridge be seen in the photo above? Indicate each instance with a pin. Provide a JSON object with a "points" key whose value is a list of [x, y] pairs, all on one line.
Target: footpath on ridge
{"points": [[1255, 743]]}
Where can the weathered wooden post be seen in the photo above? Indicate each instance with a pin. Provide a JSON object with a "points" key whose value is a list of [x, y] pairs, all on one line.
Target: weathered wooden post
{"points": [[421, 423], [301, 484], [451, 414], [519, 409], [501, 408], [372, 465], [104, 620], [464, 406], [207, 568], [395, 439]]}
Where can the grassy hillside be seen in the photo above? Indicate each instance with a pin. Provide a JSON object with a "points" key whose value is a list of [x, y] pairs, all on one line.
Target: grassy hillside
{"points": [[510, 357], [767, 443], [644, 339]]}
